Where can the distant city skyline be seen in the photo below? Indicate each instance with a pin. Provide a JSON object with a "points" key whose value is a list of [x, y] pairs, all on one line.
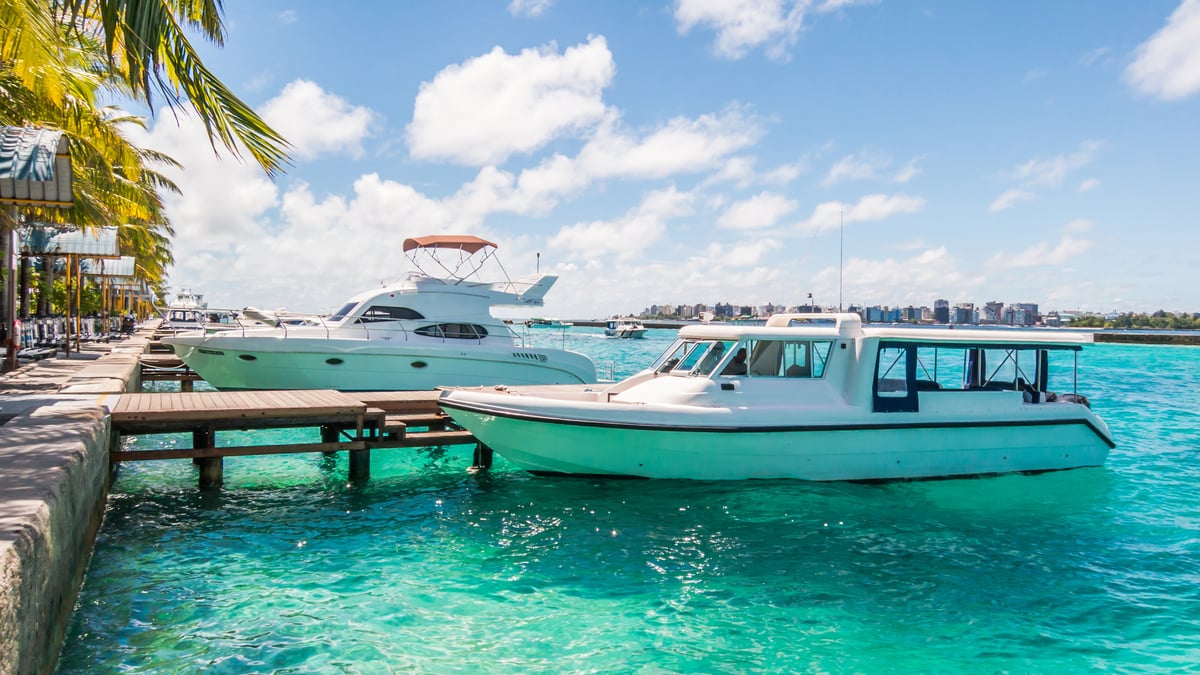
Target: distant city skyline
{"points": [[1042, 151]]}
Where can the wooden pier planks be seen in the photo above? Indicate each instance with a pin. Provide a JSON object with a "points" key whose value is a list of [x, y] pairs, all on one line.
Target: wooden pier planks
{"points": [[133, 414]]}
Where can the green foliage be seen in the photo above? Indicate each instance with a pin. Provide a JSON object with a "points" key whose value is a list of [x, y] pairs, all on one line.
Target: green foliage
{"points": [[1160, 320]]}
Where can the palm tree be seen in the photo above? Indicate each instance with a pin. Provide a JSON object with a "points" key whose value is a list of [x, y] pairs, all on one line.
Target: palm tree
{"points": [[144, 46]]}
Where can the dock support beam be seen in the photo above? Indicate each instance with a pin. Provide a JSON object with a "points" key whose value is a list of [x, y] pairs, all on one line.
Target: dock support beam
{"points": [[360, 465], [185, 386], [482, 458], [212, 469]]}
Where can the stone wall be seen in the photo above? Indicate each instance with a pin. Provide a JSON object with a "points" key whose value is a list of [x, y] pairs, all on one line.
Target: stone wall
{"points": [[54, 483]]}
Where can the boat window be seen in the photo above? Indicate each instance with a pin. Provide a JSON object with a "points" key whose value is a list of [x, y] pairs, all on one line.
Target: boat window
{"points": [[453, 331], [673, 355], [692, 357], [343, 312], [386, 313], [716, 354], [1029, 368], [895, 388], [788, 358]]}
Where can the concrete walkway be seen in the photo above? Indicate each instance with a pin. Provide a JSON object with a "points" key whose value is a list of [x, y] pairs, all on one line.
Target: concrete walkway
{"points": [[54, 471]]}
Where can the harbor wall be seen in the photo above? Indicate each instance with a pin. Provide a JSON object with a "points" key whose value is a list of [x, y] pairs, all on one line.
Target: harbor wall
{"points": [[54, 482]]}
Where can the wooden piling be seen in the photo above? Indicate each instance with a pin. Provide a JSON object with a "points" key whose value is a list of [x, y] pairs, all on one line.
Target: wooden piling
{"points": [[212, 469], [360, 465]]}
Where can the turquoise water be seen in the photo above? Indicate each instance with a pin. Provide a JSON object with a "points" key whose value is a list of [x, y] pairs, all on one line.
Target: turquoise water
{"points": [[429, 568]]}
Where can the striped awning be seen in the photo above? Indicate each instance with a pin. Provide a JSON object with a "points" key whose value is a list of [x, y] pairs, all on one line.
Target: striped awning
{"points": [[121, 267], [97, 243], [35, 167]]}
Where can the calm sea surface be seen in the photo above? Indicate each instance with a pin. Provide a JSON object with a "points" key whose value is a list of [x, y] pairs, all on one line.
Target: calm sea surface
{"points": [[429, 568]]}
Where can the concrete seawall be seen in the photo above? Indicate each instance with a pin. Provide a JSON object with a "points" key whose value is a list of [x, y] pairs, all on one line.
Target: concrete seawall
{"points": [[54, 478]]}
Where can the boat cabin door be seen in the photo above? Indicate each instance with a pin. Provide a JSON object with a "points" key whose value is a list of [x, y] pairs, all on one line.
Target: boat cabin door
{"points": [[895, 387]]}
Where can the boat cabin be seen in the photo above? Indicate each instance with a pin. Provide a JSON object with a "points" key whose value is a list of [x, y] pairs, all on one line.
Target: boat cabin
{"points": [[882, 369]]}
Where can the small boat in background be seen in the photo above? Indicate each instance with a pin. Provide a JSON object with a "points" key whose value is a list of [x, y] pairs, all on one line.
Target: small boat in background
{"points": [[547, 323], [628, 328], [809, 396]]}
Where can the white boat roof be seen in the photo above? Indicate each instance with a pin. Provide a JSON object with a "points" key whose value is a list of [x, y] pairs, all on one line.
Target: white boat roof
{"points": [[849, 326]]}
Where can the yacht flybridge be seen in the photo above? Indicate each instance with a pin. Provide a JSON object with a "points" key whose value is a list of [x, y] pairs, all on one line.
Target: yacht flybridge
{"points": [[420, 333], [815, 397]]}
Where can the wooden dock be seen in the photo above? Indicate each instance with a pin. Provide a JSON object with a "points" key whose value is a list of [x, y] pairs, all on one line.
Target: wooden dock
{"points": [[356, 422]]}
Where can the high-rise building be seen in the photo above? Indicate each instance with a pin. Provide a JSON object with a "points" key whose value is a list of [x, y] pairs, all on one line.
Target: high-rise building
{"points": [[941, 311], [993, 312]]}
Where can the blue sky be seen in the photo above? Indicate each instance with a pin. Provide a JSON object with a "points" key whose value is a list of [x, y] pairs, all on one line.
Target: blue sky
{"points": [[705, 151]]}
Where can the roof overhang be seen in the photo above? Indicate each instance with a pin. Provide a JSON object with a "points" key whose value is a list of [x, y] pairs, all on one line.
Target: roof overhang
{"points": [[35, 167]]}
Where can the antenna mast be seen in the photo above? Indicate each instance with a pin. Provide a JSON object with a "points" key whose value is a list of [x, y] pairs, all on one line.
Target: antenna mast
{"points": [[841, 246]]}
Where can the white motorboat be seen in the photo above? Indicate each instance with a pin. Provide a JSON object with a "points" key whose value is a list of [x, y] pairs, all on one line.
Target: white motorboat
{"points": [[187, 312], [624, 328], [420, 333], [538, 322], [815, 397]]}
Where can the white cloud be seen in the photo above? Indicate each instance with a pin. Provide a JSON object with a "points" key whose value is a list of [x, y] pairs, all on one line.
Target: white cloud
{"points": [[908, 171], [529, 7], [628, 236], [741, 254], [681, 146], [287, 16], [1036, 74], [1167, 66], [491, 106], [1078, 226], [910, 281], [1095, 56], [855, 167], [1050, 172], [876, 207], [1089, 184], [1046, 253], [1010, 199], [742, 25], [315, 122], [760, 211]]}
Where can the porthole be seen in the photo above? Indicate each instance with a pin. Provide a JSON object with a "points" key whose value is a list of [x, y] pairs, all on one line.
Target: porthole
{"points": [[418, 364], [247, 357], [334, 361]]}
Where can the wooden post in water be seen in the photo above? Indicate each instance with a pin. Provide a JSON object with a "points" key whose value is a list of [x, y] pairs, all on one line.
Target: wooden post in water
{"points": [[212, 469], [186, 386], [360, 465], [329, 434], [482, 458]]}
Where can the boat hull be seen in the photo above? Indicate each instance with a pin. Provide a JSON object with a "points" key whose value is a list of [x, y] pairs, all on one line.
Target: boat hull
{"points": [[271, 363], [882, 451]]}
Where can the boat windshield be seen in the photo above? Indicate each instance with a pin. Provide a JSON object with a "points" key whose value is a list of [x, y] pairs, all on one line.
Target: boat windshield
{"points": [[343, 312], [697, 358]]}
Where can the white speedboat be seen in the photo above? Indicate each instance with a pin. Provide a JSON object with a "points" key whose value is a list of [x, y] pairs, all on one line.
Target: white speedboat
{"points": [[420, 333], [624, 328], [815, 397], [187, 312]]}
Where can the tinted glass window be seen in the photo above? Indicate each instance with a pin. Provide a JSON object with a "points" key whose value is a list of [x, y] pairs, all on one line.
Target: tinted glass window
{"points": [[385, 313], [345, 310], [453, 331]]}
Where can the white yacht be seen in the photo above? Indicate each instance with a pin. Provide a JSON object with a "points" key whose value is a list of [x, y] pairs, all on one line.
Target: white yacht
{"points": [[187, 312], [815, 397], [624, 328], [420, 333]]}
